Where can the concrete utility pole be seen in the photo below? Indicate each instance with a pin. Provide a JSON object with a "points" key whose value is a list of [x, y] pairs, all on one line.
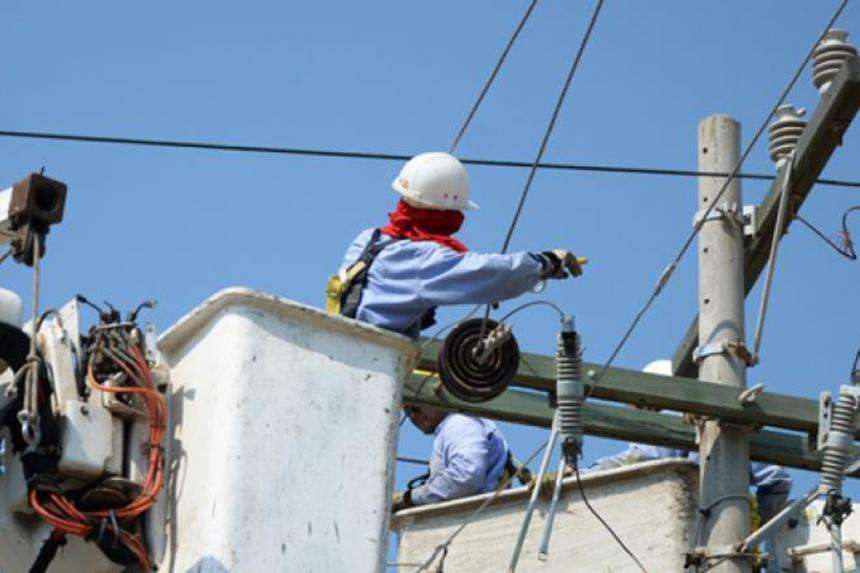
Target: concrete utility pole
{"points": [[724, 449]]}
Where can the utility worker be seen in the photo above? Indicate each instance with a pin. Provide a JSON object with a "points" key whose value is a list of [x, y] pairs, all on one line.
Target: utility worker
{"points": [[470, 456], [772, 483], [394, 277]]}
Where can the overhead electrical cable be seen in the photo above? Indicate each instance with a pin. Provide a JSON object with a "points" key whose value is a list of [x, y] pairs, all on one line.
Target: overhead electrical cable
{"points": [[847, 247], [341, 154], [669, 270], [551, 126], [545, 139], [603, 521], [491, 78]]}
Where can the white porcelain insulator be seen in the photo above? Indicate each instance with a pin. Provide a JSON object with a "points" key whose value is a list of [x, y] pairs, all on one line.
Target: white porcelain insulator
{"points": [[785, 131], [828, 57]]}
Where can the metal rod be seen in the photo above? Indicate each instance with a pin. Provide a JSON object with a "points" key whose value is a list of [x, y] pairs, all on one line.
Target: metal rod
{"points": [[774, 249], [543, 548], [524, 528], [836, 545], [778, 520]]}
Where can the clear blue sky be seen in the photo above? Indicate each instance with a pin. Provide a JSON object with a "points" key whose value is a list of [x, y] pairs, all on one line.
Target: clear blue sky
{"points": [[398, 77]]}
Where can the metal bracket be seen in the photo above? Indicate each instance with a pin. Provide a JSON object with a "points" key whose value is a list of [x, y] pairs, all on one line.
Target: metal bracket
{"points": [[700, 556], [710, 349], [825, 413], [150, 343], [750, 395], [740, 350], [735, 347], [751, 222], [725, 211]]}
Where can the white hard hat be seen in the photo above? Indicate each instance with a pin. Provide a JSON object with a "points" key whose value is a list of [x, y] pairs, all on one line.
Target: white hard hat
{"points": [[11, 308], [662, 367], [434, 180]]}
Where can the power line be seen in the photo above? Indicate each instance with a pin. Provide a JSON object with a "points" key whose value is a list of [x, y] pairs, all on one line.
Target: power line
{"points": [[547, 133], [603, 521], [492, 77], [343, 154], [551, 126], [669, 270], [847, 248]]}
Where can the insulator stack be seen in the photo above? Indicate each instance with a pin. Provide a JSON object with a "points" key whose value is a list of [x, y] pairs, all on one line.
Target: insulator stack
{"points": [[840, 444], [785, 131], [570, 393], [828, 57]]}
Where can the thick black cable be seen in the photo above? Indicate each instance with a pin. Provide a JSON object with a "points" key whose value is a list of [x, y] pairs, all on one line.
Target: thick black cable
{"points": [[204, 146], [603, 521], [847, 250], [669, 270], [491, 78]]}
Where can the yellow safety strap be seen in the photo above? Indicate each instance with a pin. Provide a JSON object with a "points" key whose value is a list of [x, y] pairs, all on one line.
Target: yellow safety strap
{"points": [[338, 284]]}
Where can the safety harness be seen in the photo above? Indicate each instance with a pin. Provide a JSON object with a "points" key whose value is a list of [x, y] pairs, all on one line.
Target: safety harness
{"points": [[345, 289]]}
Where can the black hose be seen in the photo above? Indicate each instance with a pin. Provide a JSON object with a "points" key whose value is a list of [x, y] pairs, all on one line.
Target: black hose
{"points": [[48, 552]]}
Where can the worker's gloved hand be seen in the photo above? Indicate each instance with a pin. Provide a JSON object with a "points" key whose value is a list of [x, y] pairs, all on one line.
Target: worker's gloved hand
{"points": [[401, 500], [547, 484], [559, 264]]}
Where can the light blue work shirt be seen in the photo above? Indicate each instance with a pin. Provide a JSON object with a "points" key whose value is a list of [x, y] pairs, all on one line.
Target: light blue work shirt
{"points": [[768, 479], [409, 278], [469, 457]]}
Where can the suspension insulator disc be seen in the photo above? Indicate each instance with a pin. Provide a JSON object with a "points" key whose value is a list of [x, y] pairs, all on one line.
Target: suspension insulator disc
{"points": [[468, 378]]}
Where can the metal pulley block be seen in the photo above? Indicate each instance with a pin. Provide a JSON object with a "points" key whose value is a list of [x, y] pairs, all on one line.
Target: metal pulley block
{"points": [[478, 360]]}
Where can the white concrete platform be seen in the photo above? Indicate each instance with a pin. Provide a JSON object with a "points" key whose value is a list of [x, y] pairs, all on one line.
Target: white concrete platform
{"points": [[652, 507]]}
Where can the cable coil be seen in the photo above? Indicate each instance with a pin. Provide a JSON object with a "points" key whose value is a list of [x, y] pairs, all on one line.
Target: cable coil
{"points": [[470, 374]]}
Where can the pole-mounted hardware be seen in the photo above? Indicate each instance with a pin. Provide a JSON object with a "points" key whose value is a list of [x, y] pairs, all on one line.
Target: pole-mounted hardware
{"points": [[566, 428], [478, 360], [27, 210]]}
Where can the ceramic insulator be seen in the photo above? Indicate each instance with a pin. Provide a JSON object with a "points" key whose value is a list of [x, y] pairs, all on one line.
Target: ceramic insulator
{"points": [[829, 54], [785, 131]]}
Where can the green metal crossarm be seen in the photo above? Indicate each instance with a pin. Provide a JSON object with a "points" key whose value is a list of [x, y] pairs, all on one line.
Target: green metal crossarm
{"points": [[823, 134], [628, 424], [666, 392]]}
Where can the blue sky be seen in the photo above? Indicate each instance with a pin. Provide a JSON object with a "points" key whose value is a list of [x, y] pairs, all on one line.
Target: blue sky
{"points": [[398, 77]]}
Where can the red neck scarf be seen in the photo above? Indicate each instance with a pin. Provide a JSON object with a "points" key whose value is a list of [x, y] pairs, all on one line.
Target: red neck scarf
{"points": [[416, 224]]}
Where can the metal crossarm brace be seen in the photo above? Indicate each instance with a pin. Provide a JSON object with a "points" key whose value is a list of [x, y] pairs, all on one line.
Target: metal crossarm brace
{"points": [[619, 423], [538, 372]]}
